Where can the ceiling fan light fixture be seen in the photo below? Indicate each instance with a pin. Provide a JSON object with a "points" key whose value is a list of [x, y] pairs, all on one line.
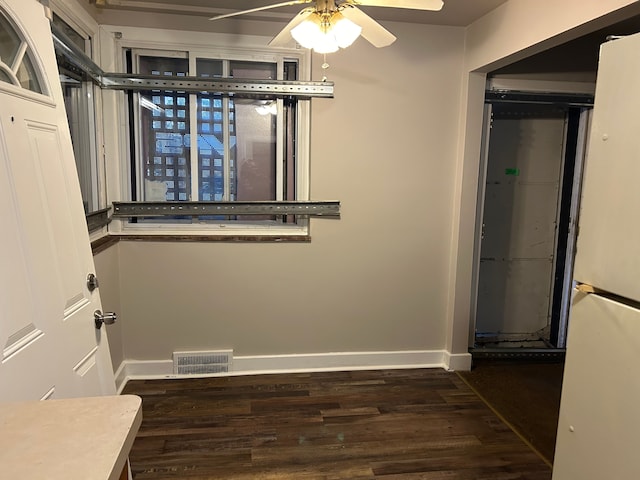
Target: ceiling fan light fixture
{"points": [[326, 45], [308, 33], [345, 31], [326, 35]]}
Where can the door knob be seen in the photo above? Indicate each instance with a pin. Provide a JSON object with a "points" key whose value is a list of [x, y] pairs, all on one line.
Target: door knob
{"points": [[108, 318], [92, 282]]}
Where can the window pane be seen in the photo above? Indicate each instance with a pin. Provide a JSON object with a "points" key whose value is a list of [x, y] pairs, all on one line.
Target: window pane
{"points": [[210, 135], [255, 151], [235, 139], [70, 33], [254, 70], [211, 146], [254, 131], [78, 91], [9, 42], [79, 113], [208, 68], [165, 150], [27, 75], [4, 77], [165, 141], [163, 66]]}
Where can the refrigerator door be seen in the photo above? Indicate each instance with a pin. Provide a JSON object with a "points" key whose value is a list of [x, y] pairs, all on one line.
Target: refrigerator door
{"points": [[608, 249], [599, 424]]}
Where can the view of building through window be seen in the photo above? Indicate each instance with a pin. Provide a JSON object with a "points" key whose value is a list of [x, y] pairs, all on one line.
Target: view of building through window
{"points": [[207, 146], [186, 145]]}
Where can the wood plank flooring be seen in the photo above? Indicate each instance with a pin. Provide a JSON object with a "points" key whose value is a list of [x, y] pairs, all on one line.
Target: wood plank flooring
{"points": [[392, 424], [527, 395]]}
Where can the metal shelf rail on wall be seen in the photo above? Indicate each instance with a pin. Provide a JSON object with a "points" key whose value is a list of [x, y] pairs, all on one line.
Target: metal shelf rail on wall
{"points": [[248, 88]]}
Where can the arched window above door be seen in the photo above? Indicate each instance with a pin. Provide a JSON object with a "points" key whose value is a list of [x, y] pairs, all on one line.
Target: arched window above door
{"points": [[16, 63]]}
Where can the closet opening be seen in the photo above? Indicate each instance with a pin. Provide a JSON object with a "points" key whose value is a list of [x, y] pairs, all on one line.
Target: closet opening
{"points": [[528, 202]]}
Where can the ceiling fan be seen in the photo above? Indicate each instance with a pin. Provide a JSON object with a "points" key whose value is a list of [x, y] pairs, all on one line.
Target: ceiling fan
{"points": [[332, 24]]}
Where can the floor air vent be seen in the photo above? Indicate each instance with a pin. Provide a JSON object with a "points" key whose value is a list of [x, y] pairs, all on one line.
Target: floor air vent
{"points": [[195, 363]]}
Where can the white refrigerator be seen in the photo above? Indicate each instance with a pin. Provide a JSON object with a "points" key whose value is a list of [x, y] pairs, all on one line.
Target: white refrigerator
{"points": [[599, 425]]}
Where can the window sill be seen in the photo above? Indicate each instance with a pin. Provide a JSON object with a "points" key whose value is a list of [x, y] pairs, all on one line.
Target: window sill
{"points": [[108, 241], [103, 243], [98, 219], [216, 230], [159, 237]]}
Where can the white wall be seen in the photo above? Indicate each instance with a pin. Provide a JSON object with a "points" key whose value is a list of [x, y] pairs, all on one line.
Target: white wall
{"points": [[511, 32], [107, 264], [519, 28], [399, 147], [375, 280]]}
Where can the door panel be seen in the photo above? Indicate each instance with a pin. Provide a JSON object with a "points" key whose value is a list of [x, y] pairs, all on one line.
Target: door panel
{"points": [[525, 157], [599, 423], [51, 347], [609, 232]]}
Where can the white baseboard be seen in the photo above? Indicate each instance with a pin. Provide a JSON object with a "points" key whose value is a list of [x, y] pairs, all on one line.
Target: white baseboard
{"points": [[121, 377], [315, 362], [142, 369], [457, 361]]}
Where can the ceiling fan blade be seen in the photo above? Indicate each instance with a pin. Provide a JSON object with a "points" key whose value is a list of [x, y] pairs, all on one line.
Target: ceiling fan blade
{"points": [[372, 31], [259, 9], [284, 37], [412, 4]]}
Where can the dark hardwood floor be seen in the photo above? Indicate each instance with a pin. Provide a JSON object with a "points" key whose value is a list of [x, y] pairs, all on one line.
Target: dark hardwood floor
{"points": [[526, 394], [390, 424]]}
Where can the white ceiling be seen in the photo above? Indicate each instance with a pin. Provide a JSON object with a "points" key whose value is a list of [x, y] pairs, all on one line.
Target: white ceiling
{"points": [[455, 12]]}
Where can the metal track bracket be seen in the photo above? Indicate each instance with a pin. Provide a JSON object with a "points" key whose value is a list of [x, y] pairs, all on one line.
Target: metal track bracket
{"points": [[263, 89], [234, 86], [196, 209]]}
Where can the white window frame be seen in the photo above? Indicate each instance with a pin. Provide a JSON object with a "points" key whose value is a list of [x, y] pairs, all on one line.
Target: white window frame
{"points": [[88, 28], [229, 47]]}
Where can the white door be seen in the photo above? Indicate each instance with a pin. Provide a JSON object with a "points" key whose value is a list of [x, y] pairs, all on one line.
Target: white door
{"points": [[608, 255], [599, 424], [49, 344]]}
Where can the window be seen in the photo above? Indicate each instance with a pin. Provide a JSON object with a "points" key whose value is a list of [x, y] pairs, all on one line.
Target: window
{"points": [[211, 147], [79, 99], [165, 162], [16, 64]]}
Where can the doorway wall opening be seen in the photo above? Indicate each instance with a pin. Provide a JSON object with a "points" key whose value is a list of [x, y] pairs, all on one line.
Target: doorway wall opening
{"points": [[528, 195]]}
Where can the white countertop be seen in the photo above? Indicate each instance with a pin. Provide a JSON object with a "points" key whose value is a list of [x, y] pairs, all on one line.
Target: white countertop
{"points": [[76, 438]]}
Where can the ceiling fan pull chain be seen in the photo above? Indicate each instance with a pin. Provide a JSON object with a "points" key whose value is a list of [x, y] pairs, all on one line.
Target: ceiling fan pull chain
{"points": [[325, 65]]}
